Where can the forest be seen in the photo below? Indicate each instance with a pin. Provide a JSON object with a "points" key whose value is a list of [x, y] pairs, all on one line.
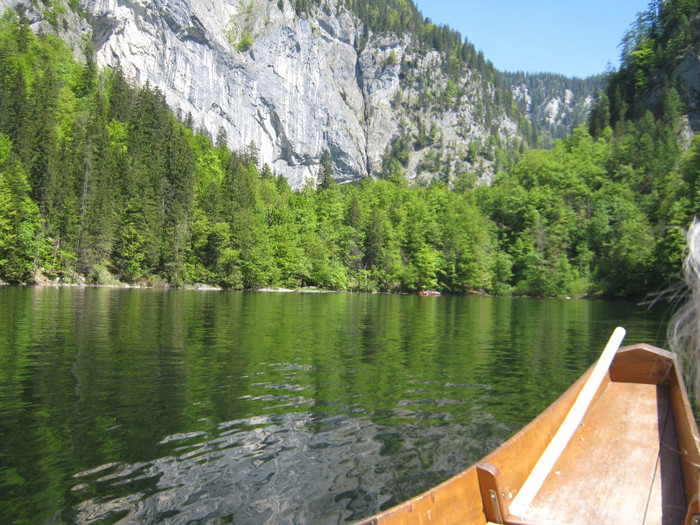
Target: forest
{"points": [[100, 182]]}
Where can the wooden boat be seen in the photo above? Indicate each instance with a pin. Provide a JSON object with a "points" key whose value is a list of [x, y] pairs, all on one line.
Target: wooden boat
{"points": [[620, 446], [429, 292]]}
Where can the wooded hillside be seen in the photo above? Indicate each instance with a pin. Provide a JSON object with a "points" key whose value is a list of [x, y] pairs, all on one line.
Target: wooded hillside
{"points": [[98, 178]]}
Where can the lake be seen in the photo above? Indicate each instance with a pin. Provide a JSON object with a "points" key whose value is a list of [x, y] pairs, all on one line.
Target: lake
{"points": [[155, 406]]}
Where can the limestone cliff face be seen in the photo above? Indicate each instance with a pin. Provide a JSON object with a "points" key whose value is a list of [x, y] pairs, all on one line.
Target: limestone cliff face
{"points": [[292, 93], [684, 75], [687, 75], [554, 104], [294, 86]]}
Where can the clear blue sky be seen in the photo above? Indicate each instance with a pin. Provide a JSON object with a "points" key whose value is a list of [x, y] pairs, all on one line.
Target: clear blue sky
{"points": [[572, 37]]}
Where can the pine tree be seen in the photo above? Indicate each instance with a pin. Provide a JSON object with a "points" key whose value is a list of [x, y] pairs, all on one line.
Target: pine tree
{"points": [[221, 138], [600, 116], [19, 218], [120, 97], [325, 173]]}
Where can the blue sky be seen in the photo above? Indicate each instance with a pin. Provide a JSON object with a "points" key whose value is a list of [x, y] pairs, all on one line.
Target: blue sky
{"points": [[572, 37]]}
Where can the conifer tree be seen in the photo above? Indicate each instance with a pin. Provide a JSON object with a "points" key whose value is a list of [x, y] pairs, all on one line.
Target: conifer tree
{"points": [[325, 173]]}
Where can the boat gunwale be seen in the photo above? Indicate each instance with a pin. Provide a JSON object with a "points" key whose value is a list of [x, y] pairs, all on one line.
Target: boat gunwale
{"points": [[661, 367]]}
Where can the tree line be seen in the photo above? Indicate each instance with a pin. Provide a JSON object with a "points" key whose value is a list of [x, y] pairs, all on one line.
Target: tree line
{"points": [[99, 179]]}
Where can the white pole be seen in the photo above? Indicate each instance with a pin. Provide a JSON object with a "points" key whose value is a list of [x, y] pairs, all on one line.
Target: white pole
{"points": [[573, 419]]}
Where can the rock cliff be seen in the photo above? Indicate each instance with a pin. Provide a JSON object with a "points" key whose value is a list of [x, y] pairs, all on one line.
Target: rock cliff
{"points": [[292, 90], [295, 85], [553, 103]]}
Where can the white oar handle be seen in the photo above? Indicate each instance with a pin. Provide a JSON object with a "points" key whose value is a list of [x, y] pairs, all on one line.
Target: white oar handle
{"points": [[573, 419]]}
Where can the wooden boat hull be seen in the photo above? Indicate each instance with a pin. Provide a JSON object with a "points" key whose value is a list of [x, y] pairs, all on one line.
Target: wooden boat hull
{"points": [[634, 458]]}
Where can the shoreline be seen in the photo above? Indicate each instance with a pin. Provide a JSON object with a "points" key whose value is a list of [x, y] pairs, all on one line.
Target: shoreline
{"points": [[191, 287], [208, 288], [80, 281]]}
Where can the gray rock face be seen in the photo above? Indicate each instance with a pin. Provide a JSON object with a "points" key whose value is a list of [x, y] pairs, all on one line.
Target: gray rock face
{"points": [[292, 85], [283, 93], [688, 75], [553, 104], [72, 29]]}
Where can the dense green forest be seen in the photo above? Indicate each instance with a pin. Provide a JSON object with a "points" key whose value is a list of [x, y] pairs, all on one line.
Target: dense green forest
{"points": [[100, 181], [651, 50]]}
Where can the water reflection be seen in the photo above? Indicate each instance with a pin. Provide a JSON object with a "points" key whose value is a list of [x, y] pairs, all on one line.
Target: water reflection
{"points": [[153, 406], [290, 468]]}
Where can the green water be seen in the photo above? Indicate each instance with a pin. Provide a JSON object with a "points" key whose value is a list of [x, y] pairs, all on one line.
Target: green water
{"points": [[146, 406]]}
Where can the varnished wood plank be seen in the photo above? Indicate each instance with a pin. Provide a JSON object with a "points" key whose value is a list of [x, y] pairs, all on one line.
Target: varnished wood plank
{"points": [[492, 492], [519, 455], [687, 431], [667, 502], [693, 511], [458, 500], [611, 454], [642, 364], [607, 472], [515, 460], [645, 363], [568, 427]]}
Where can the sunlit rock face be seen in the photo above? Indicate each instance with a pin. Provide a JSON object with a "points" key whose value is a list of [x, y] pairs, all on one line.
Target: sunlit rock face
{"points": [[292, 91], [292, 85]]}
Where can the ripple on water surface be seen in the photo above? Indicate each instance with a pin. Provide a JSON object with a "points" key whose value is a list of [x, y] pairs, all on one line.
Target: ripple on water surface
{"points": [[142, 406]]}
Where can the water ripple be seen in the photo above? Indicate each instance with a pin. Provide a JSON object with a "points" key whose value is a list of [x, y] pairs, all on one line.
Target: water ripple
{"points": [[276, 469], [126, 406]]}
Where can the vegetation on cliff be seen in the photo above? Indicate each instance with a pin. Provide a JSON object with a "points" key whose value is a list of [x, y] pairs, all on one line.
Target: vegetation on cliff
{"points": [[99, 178]]}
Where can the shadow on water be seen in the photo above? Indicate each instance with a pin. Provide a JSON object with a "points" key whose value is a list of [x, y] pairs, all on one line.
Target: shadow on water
{"points": [[180, 406]]}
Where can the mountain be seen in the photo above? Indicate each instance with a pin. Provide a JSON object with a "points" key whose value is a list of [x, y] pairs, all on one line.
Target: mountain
{"points": [[554, 104], [105, 180], [660, 71], [370, 84]]}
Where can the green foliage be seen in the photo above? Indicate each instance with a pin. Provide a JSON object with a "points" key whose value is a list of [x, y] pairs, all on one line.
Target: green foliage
{"points": [[325, 174], [99, 177], [128, 253], [240, 27], [245, 43], [302, 7], [19, 218], [542, 87], [601, 217], [599, 119], [651, 52]]}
